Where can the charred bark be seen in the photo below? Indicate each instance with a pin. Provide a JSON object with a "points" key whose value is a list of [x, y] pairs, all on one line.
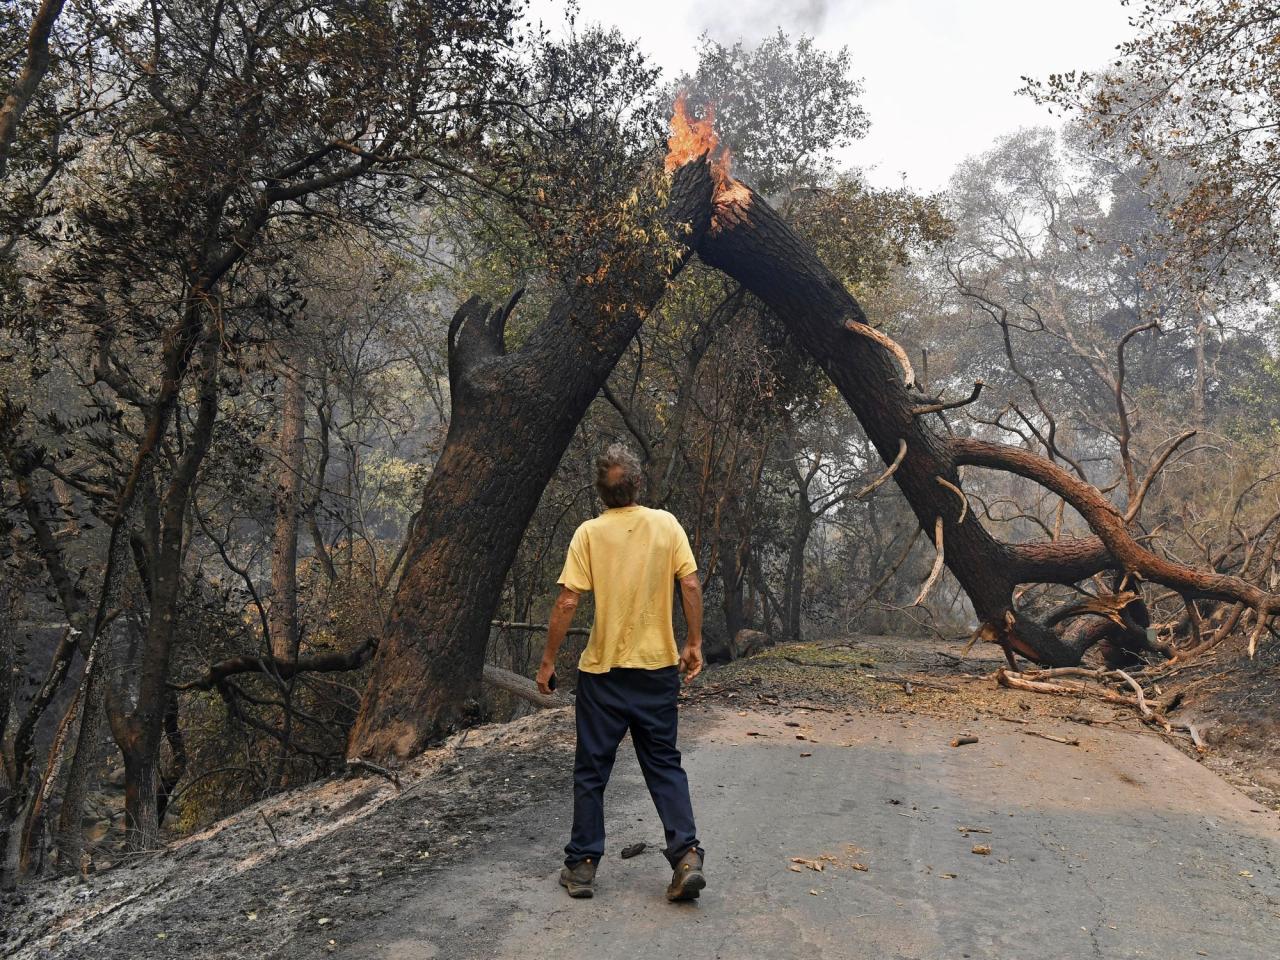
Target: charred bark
{"points": [[512, 416], [752, 244]]}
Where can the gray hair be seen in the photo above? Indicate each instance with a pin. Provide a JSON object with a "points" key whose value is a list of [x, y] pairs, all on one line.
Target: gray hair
{"points": [[618, 476]]}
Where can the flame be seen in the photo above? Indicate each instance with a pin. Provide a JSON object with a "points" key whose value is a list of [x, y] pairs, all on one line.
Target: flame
{"points": [[692, 137]]}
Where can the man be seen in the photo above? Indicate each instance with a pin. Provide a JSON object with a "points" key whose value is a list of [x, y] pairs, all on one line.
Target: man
{"points": [[629, 557]]}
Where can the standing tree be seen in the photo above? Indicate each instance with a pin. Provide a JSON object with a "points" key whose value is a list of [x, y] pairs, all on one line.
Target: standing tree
{"points": [[1194, 97], [240, 128]]}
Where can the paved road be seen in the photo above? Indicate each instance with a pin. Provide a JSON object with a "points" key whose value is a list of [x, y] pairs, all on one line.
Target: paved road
{"points": [[1121, 847]]}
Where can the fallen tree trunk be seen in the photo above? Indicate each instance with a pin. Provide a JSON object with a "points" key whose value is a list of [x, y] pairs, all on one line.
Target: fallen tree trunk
{"points": [[512, 416], [751, 243]]}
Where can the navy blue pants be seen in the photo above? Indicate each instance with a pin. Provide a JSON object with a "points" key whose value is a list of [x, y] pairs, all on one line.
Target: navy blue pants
{"points": [[608, 705]]}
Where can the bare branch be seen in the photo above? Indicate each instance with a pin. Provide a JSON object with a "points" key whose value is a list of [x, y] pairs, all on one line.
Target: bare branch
{"points": [[964, 501], [897, 462], [882, 338], [949, 405], [937, 564], [1141, 495]]}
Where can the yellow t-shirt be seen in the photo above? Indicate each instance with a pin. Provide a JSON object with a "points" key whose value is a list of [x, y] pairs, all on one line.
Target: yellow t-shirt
{"points": [[629, 558]]}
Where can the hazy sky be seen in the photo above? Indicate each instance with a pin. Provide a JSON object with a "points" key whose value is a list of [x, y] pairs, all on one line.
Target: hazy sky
{"points": [[939, 76]]}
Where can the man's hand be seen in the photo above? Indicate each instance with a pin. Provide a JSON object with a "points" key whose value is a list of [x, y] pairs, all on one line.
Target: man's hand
{"points": [[691, 661], [546, 670], [691, 600]]}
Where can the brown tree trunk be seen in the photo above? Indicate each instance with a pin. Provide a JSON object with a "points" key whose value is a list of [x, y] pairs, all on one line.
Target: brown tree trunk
{"points": [[513, 415], [91, 697], [793, 597], [141, 817], [139, 703], [282, 616], [35, 66]]}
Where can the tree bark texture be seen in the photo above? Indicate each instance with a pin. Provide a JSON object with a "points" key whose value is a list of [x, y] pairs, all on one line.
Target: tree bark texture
{"points": [[282, 618], [512, 416]]}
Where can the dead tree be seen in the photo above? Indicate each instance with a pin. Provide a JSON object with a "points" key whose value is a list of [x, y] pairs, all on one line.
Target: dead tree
{"points": [[512, 416]]}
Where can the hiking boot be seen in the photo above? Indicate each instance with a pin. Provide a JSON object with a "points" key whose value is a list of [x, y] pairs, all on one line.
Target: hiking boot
{"points": [[687, 881], [579, 878]]}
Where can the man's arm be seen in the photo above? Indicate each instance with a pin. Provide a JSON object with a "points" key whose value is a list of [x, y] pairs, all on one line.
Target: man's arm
{"points": [[557, 625], [691, 600]]}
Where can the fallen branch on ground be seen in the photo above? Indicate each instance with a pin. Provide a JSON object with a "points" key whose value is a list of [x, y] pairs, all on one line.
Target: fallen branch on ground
{"points": [[523, 687], [359, 763], [1033, 683], [1050, 736]]}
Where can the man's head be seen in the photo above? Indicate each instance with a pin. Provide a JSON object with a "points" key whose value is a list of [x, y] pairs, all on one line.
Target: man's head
{"points": [[618, 476]]}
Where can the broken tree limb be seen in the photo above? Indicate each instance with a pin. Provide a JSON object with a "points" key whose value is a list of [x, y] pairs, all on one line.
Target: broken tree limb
{"points": [[1258, 627], [892, 468], [1136, 687], [938, 546], [331, 662], [762, 253], [1018, 681], [1191, 731], [1106, 521], [938, 407], [524, 688], [864, 329], [1107, 605], [964, 501], [1141, 495], [759, 250]]}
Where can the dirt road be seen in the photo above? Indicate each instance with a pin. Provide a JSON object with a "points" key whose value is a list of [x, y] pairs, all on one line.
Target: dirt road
{"points": [[1120, 847]]}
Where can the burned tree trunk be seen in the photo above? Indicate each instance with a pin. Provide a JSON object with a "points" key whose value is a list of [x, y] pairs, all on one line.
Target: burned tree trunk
{"points": [[513, 415], [752, 244]]}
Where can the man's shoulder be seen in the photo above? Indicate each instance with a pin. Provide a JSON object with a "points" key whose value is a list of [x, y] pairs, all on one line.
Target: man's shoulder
{"points": [[586, 525], [665, 517]]}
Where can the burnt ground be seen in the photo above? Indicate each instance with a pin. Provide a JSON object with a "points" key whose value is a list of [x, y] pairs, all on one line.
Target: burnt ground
{"points": [[461, 861]]}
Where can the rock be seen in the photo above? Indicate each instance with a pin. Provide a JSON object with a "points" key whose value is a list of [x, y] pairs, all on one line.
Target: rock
{"points": [[115, 778], [747, 642]]}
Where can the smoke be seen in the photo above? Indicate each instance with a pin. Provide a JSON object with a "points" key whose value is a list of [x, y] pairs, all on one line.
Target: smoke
{"points": [[730, 20]]}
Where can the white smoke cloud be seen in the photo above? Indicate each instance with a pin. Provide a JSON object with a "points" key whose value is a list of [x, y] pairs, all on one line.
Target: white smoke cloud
{"points": [[730, 20]]}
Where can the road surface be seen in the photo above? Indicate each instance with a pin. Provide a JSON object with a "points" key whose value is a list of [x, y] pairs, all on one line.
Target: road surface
{"points": [[1119, 847]]}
